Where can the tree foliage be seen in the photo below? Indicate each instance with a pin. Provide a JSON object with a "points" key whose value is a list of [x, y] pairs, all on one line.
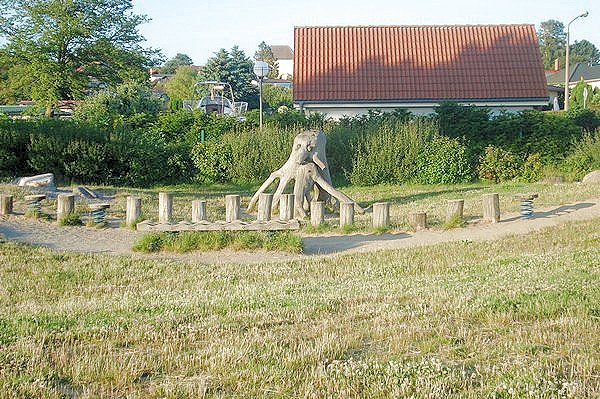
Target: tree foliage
{"points": [[276, 96], [584, 51], [181, 86], [264, 53], [130, 105], [235, 68], [57, 49], [174, 63], [552, 39]]}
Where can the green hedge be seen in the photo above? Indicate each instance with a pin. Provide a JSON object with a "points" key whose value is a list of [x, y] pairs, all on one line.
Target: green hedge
{"points": [[397, 147], [78, 152]]}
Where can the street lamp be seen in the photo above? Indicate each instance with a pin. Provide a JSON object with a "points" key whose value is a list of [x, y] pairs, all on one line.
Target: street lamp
{"points": [[261, 70], [585, 14]]}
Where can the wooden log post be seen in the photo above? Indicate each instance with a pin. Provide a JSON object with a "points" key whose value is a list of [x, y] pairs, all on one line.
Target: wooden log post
{"points": [[491, 208], [381, 214], [6, 204], [65, 206], [198, 211], [232, 208], [346, 214], [455, 210], [286, 207], [317, 213], [417, 220], [134, 210], [165, 207], [265, 202]]}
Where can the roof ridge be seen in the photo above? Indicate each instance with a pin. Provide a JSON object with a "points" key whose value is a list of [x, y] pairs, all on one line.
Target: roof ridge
{"points": [[410, 26]]}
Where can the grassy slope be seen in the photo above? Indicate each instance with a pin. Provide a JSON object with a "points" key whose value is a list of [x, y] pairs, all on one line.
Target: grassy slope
{"points": [[519, 317]]}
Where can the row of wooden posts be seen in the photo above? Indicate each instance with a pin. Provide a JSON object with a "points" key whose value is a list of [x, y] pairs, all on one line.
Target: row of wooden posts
{"points": [[381, 210]]}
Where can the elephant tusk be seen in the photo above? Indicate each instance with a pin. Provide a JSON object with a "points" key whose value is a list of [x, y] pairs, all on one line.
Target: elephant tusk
{"points": [[318, 161]]}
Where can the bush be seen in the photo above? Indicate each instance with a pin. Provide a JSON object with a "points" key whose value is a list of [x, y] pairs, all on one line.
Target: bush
{"points": [[85, 161], [213, 160], [256, 153], [549, 134], [444, 161], [498, 165], [533, 169], [129, 105], [185, 126], [584, 157], [389, 155], [586, 118]]}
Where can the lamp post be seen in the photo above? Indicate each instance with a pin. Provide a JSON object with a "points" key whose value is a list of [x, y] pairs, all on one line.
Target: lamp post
{"points": [[585, 14], [261, 69]]}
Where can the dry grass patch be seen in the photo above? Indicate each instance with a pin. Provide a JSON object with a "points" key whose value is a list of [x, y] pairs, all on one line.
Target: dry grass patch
{"points": [[518, 317]]}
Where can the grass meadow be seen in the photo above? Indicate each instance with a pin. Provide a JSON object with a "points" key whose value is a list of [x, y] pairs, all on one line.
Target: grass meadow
{"points": [[513, 318]]}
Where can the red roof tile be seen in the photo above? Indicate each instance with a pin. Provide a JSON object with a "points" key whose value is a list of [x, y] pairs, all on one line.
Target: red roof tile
{"points": [[417, 62]]}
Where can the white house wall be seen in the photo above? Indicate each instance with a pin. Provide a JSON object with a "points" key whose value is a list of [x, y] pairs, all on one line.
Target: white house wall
{"points": [[338, 111], [286, 68]]}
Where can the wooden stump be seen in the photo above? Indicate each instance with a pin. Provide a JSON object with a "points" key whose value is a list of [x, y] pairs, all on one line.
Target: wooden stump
{"points": [[232, 208], [317, 213], [455, 210], [491, 208], [65, 206], [134, 210], [346, 214], [265, 202], [381, 214], [198, 211], [417, 220], [6, 204], [286, 207], [165, 207]]}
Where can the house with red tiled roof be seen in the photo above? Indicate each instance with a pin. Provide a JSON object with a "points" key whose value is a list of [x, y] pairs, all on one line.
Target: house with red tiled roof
{"points": [[350, 70]]}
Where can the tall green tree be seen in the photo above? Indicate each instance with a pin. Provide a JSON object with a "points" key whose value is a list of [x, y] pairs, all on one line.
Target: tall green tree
{"points": [[57, 48], [584, 51], [179, 60], [552, 39], [181, 86], [265, 53], [235, 68]]}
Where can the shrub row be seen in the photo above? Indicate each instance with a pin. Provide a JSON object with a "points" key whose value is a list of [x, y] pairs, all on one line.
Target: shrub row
{"points": [[77, 152], [456, 145]]}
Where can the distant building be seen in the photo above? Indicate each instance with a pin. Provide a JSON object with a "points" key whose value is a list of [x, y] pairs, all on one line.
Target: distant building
{"points": [[346, 71], [589, 73], [284, 56]]}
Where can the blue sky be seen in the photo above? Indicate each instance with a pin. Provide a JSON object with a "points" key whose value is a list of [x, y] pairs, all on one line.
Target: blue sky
{"points": [[200, 28]]}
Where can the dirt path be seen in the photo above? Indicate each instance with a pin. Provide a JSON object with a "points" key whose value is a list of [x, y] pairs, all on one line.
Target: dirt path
{"points": [[118, 241]]}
